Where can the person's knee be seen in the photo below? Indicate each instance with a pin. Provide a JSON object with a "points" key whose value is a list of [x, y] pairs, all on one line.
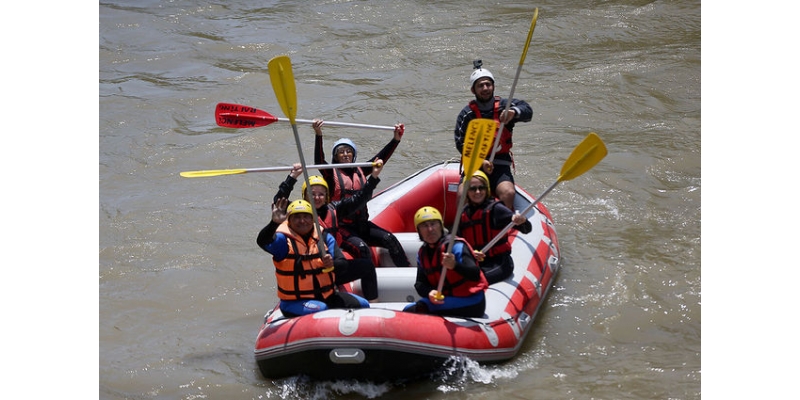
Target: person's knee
{"points": [[364, 251], [359, 249], [505, 187]]}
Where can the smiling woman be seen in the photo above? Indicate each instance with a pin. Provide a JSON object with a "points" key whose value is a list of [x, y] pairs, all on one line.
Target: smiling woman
{"points": [[484, 218], [343, 150]]}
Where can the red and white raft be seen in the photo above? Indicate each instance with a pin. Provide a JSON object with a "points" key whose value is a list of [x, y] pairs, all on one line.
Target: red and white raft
{"points": [[384, 343]]}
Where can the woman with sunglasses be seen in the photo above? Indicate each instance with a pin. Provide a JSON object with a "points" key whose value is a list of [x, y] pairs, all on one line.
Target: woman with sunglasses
{"points": [[484, 217]]}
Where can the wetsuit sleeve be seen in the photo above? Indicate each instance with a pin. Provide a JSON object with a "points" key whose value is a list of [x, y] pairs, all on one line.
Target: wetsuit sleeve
{"points": [[272, 242], [502, 216], [523, 110], [526, 227], [384, 155], [347, 206], [465, 262], [462, 122], [333, 249], [285, 189], [319, 158]]}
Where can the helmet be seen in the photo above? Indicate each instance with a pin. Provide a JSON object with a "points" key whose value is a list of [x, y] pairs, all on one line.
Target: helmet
{"points": [[317, 180], [297, 207], [427, 213], [482, 176], [344, 141], [478, 74]]}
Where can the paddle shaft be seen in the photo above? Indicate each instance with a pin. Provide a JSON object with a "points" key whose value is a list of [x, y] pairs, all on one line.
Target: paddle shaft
{"points": [[308, 191], [234, 171], [269, 119], [462, 199], [345, 124], [514, 85]]}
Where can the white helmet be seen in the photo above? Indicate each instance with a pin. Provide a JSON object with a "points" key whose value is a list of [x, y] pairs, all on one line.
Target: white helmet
{"points": [[345, 142], [478, 74]]}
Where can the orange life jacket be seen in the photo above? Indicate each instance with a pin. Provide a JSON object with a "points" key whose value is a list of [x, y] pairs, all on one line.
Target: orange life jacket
{"points": [[299, 275]]}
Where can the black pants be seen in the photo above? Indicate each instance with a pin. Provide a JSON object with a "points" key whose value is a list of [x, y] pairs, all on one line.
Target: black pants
{"points": [[364, 269], [355, 246], [374, 235], [497, 268], [472, 311], [342, 300]]}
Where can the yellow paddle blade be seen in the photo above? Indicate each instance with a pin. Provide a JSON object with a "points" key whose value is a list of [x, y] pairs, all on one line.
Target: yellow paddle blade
{"points": [[211, 172], [477, 143], [282, 78], [530, 34], [586, 155]]}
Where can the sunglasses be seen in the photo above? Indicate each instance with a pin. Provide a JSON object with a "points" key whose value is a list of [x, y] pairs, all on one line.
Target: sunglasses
{"points": [[477, 188]]}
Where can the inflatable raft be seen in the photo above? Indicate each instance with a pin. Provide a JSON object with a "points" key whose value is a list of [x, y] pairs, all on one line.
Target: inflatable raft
{"points": [[384, 343]]}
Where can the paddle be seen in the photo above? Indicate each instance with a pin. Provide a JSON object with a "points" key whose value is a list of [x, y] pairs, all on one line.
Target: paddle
{"points": [[584, 156], [514, 85], [282, 78], [218, 172], [231, 115], [476, 145]]}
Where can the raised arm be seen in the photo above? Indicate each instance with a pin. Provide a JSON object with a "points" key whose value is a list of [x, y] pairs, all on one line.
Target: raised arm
{"points": [[388, 150], [319, 152], [286, 187], [270, 241]]}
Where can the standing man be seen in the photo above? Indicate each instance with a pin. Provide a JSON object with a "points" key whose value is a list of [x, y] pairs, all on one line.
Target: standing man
{"points": [[487, 105]]}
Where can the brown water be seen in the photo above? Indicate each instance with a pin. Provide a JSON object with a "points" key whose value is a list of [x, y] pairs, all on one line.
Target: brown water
{"points": [[183, 287]]}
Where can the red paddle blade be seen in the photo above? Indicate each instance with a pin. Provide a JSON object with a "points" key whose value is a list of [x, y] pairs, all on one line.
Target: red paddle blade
{"points": [[231, 115]]}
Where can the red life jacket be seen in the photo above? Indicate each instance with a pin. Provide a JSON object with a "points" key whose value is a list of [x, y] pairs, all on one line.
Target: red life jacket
{"points": [[505, 138], [477, 230], [345, 186], [454, 283], [299, 275], [330, 223]]}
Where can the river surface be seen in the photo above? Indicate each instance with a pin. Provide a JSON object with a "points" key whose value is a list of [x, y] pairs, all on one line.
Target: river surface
{"points": [[183, 287]]}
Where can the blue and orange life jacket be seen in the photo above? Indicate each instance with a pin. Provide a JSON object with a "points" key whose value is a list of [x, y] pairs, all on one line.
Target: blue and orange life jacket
{"points": [[299, 275]]}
